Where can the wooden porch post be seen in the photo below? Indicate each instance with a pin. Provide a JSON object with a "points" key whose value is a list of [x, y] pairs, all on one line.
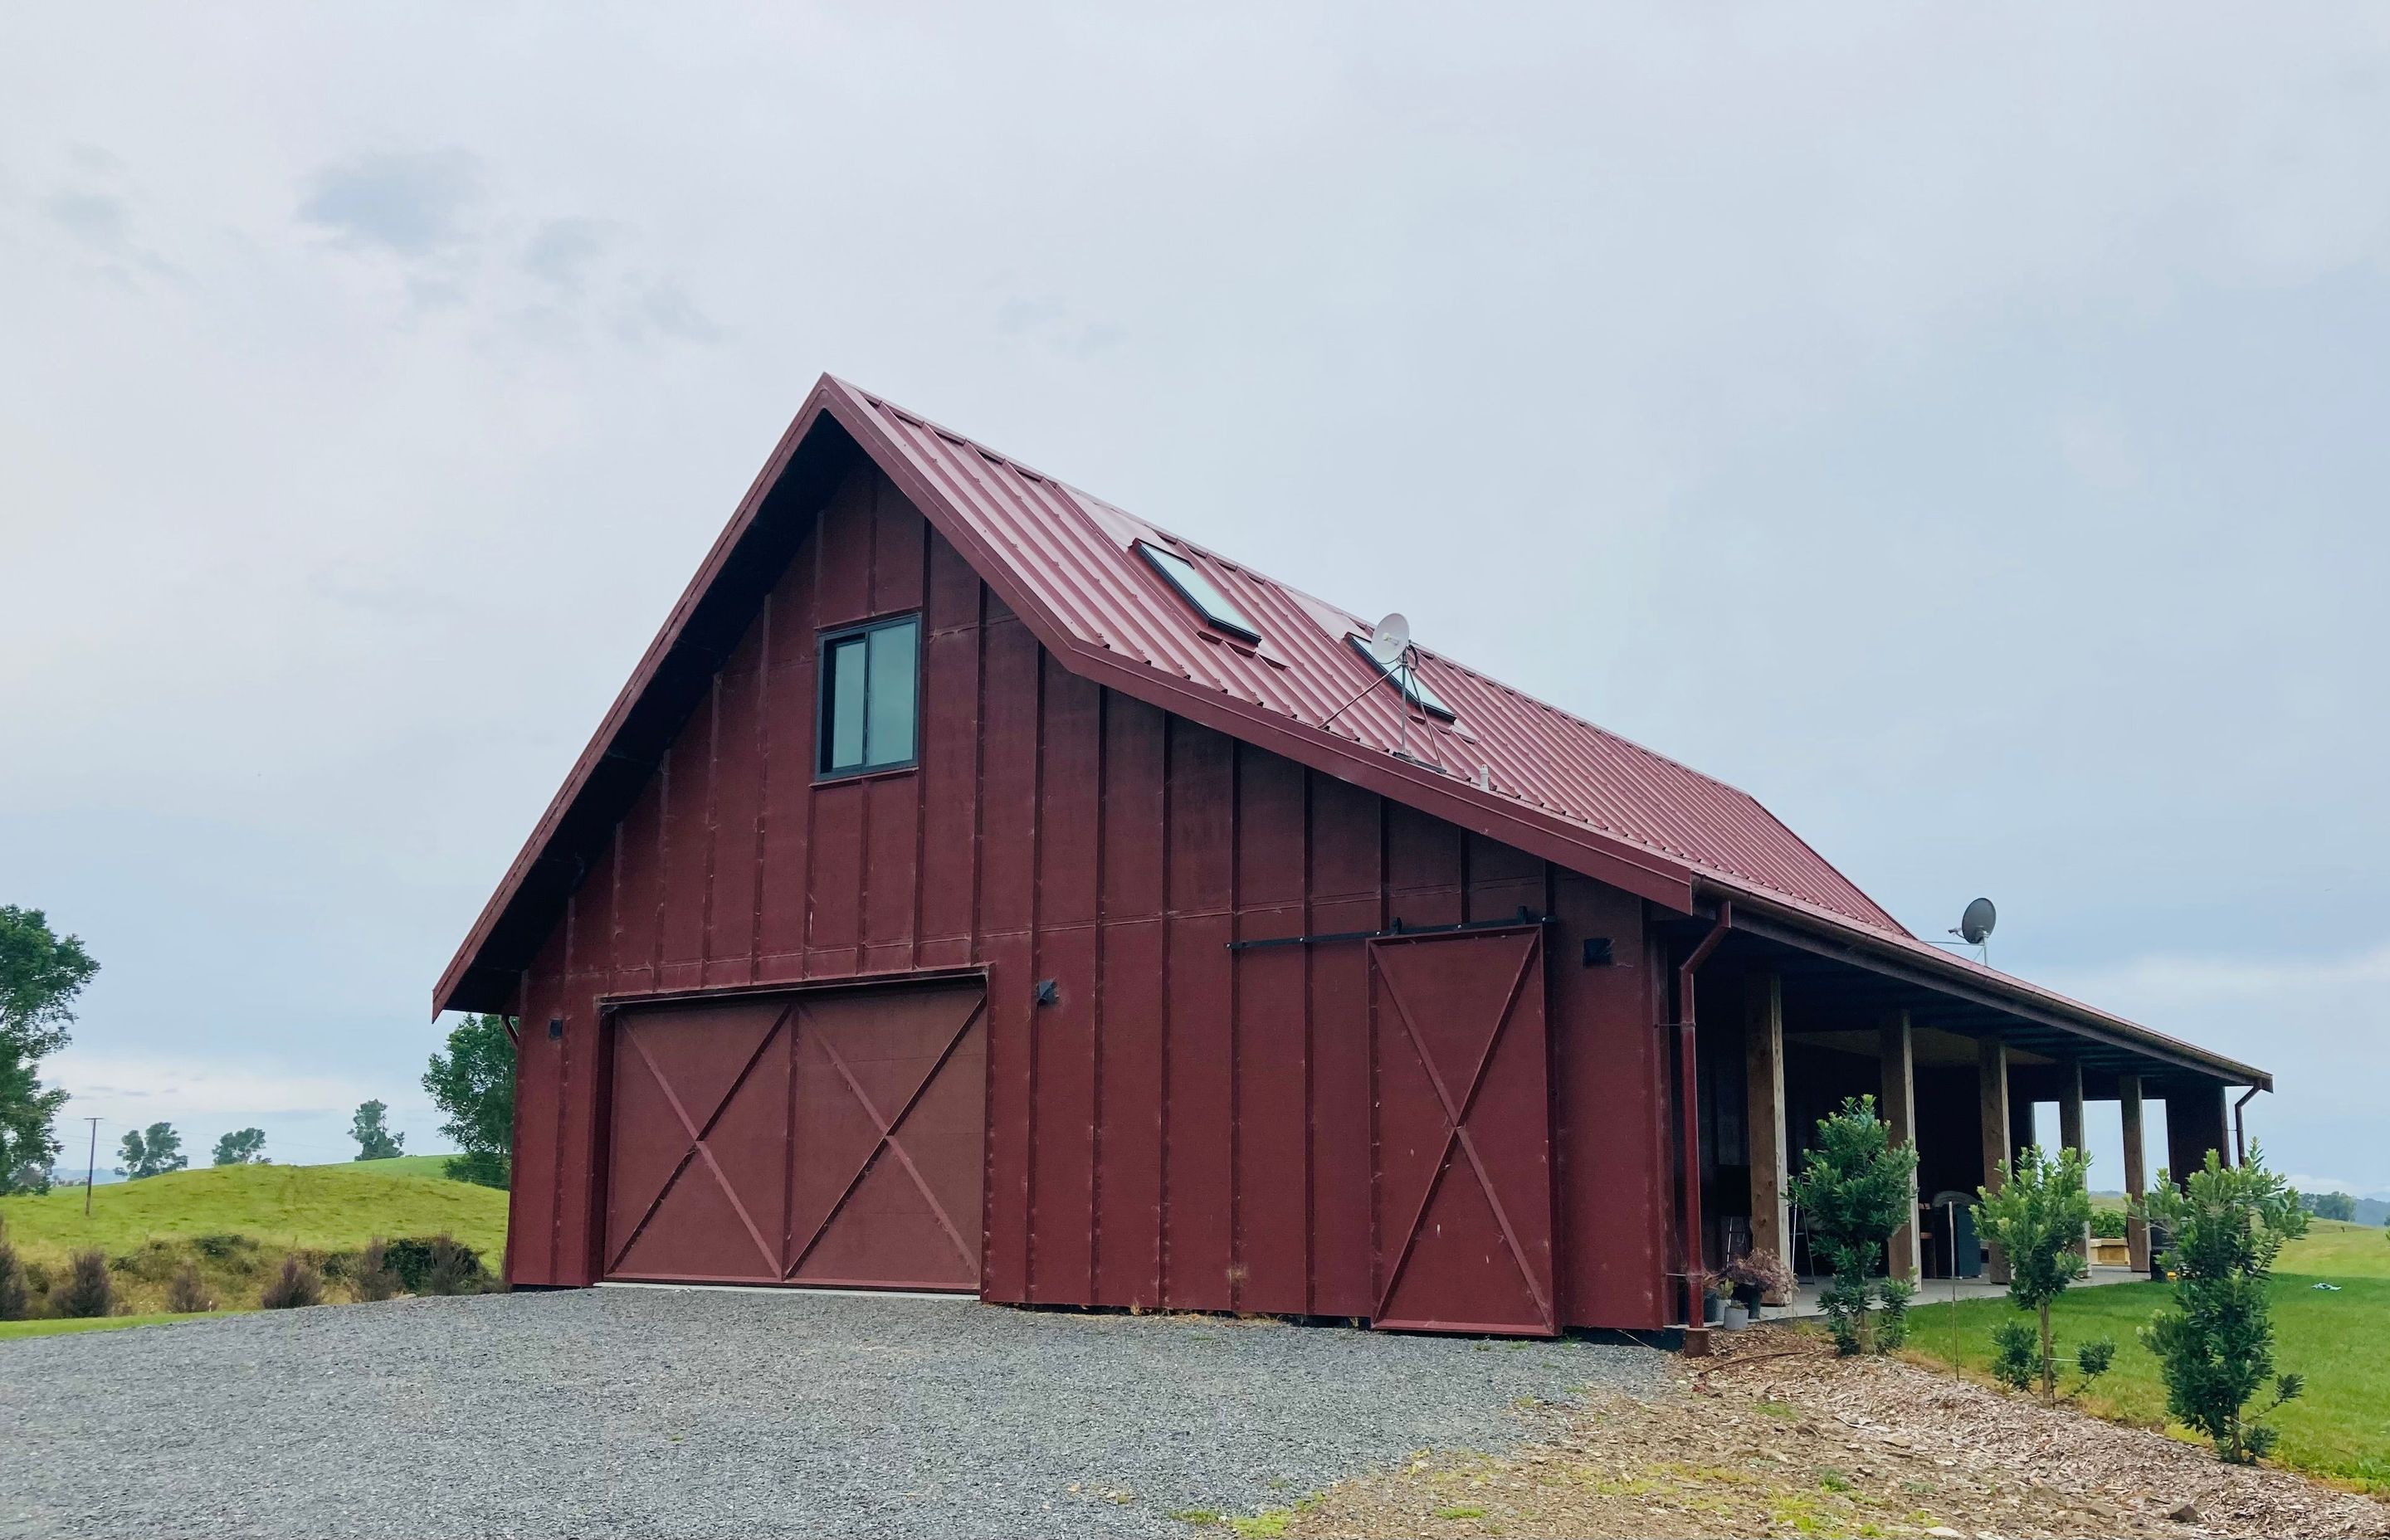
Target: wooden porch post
{"points": [[1900, 1115], [1992, 1103], [1763, 1037], [2137, 1230], [2070, 1125]]}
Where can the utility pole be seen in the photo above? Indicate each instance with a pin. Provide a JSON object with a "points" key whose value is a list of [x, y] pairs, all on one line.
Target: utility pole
{"points": [[91, 1172]]}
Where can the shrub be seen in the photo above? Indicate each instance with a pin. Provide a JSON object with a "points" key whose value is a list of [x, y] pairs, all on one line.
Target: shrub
{"points": [[1845, 1302], [2016, 1355], [1892, 1318], [187, 1295], [2035, 1219], [16, 1300], [298, 1285], [88, 1290], [2108, 1224], [455, 1269], [1856, 1188], [2216, 1341], [413, 1259], [372, 1277], [223, 1247]]}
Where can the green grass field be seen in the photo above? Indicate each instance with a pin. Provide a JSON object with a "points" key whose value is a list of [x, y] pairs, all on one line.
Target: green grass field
{"points": [[2340, 1428], [323, 1208], [152, 1227]]}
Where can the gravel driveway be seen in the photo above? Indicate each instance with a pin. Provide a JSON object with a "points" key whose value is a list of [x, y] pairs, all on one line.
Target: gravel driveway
{"points": [[644, 1412]]}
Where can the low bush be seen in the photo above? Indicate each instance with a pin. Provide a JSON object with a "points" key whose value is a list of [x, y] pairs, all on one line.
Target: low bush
{"points": [[88, 1290], [455, 1269], [2108, 1224], [371, 1275], [16, 1300], [187, 1294], [416, 1259], [224, 1247], [296, 1286]]}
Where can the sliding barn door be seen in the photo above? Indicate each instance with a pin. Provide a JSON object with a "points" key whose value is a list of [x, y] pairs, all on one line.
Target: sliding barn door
{"points": [[835, 1137], [1464, 1188]]}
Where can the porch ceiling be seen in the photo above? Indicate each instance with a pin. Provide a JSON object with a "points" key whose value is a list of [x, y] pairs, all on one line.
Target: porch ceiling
{"points": [[1838, 997]]}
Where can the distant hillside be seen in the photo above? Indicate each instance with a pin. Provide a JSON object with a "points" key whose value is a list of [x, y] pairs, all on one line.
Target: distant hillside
{"points": [[323, 1208]]}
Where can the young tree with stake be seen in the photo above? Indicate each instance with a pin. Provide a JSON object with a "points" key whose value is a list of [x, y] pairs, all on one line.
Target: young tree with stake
{"points": [[2041, 1211]]}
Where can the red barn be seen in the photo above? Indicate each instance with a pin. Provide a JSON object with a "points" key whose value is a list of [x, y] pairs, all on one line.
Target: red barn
{"points": [[976, 888]]}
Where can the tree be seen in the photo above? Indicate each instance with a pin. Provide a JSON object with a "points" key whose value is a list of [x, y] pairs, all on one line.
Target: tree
{"points": [[370, 1128], [474, 1083], [1854, 1189], [2037, 1217], [2216, 1341], [41, 973], [2330, 1205], [242, 1147], [151, 1151]]}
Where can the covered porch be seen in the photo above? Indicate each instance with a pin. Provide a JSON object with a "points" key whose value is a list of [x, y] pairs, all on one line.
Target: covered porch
{"points": [[1788, 1023]]}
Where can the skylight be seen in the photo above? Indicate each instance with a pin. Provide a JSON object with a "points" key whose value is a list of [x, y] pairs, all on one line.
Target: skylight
{"points": [[1198, 591], [1413, 685]]}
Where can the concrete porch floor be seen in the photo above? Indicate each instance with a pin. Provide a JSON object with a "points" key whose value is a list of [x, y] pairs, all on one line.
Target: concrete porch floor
{"points": [[1939, 1291]]}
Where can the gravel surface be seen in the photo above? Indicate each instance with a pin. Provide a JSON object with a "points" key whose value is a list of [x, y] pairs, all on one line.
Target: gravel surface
{"points": [[642, 1412]]}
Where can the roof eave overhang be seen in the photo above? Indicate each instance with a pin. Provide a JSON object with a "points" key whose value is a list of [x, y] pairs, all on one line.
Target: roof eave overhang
{"points": [[1825, 936]]}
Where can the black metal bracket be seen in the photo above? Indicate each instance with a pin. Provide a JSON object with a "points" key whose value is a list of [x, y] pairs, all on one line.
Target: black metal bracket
{"points": [[1398, 930]]}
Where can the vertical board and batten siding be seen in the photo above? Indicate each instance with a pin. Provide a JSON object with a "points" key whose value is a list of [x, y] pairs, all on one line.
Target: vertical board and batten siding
{"points": [[1184, 1127]]}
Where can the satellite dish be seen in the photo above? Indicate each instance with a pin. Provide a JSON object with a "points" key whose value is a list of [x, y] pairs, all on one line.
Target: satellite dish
{"points": [[1975, 925], [1391, 639]]}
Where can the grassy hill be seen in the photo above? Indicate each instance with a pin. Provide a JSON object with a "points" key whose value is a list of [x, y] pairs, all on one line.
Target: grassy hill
{"points": [[320, 1208], [235, 1222], [2340, 1428]]}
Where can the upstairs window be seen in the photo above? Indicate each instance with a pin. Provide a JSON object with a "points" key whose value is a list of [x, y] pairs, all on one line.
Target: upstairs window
{"points": [[1198, 591], [1413, 686], [870, 697]]}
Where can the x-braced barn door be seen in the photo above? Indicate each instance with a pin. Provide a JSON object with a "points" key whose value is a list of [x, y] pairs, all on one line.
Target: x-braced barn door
{"points": [[1464, 1133], [827, 1138]]}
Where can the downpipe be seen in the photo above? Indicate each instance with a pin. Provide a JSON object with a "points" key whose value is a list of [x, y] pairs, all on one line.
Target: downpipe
{"points": [[2240, 1136], [1689, 1152]]}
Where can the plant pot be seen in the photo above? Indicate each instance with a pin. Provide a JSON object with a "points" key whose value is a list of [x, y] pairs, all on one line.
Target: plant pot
{"points": [[1712, 1310], [1737, 1318]]}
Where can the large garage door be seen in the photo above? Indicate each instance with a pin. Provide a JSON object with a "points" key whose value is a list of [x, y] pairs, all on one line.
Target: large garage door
{"points": [[827, 1138], [1464, 1133]]}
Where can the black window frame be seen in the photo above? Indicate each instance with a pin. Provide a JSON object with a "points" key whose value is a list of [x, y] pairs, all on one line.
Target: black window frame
{"points": [[1243, 628], [1414, 690], [825, 645]]}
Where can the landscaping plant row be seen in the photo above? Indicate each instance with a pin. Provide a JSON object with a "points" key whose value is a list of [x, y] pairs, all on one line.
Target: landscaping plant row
{"points": [[193, 1276]]}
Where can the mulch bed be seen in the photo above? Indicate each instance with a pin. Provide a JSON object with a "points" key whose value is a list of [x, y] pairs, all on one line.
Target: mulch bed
{"points": [[1776, 1435]]}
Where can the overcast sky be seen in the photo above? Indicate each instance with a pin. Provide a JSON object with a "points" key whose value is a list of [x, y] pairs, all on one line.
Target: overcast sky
{"points": [[1963, 428]]}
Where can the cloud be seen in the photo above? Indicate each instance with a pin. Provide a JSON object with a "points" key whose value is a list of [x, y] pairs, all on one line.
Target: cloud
{"points": [[94, 217], [659, 307], [562, 250], [413, 205], [129, 1088], [2174, 978]]}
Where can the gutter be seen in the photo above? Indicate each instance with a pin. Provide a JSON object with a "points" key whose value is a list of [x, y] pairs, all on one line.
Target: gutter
{"points": [[2240, 1139], [1688, 1148]]}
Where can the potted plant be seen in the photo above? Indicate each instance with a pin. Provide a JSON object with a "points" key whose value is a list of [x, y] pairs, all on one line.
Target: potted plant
{"points": [[1753, 1277], [1714, 1291]]}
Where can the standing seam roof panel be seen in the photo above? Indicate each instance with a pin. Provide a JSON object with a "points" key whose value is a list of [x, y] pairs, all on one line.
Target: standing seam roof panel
{"points": [[1090, 578]]}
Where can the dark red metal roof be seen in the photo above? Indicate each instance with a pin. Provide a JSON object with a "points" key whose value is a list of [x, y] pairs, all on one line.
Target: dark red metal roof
{"points": [[1512, 767], [1075, 553]]}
